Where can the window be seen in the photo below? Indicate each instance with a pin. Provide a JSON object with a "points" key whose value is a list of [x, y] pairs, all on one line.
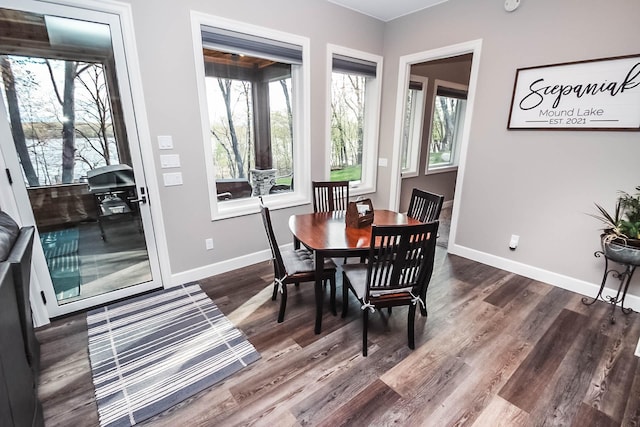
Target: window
{"points": [[253, 89], [412, 125], [447, 121], [353, 117], [62, 137]]}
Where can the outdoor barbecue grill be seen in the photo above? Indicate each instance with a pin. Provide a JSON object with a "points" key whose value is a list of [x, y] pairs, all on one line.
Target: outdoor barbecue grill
{"points": [[114, 189]]}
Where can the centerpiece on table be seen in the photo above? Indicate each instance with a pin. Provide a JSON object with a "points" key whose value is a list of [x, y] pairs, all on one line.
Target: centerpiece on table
{"points": [[621, 233]]}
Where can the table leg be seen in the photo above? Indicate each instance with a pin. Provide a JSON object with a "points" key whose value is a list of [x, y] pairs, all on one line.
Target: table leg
{"points": [[318, 290]]}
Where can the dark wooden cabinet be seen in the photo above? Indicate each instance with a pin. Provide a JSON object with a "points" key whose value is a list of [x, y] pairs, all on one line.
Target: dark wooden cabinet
{"points": [[19, 405], [20, 259]]}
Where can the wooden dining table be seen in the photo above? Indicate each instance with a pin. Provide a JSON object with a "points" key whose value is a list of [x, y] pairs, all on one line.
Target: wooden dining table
{"points": [[327, 234]]}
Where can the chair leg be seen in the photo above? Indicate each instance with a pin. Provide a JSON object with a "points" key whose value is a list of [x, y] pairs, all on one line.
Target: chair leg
{"points": [[275, 290], [283, 304], [410, 326], [332, 298], [345, 296], [365, 324], [423, 310]]}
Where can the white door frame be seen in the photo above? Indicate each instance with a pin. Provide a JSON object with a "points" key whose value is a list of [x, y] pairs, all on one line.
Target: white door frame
{"points": [[404, 71], [140, 146]]}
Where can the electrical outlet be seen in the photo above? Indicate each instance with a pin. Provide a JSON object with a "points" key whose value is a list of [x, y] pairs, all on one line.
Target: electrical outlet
{"points": [[513, 243], [208, 243]]}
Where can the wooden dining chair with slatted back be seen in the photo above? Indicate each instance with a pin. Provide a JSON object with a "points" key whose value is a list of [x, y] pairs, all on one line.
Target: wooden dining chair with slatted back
{"points": [[329, 196], [294, 266], [397, 273], [425, 206]]}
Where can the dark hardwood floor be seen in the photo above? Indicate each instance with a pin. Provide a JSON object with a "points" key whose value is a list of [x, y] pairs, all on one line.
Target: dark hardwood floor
{"points": [[497, 349]]}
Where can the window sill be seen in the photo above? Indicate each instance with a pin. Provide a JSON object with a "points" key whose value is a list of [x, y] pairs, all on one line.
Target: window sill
{"points": [[251, 205], [409, 174], [443, 169], [361, 190]]}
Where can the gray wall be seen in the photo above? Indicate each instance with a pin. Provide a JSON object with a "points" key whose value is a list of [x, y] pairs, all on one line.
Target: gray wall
{"points": [[537, 184], [165, 47]]}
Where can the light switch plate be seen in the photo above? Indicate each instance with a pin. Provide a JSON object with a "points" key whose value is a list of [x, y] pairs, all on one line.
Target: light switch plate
{"points": [[171, 179], [165, 142], [382, 162], [169, 161]]}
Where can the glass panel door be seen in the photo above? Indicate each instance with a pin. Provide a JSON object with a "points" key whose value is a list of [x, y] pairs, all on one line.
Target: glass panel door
{"points": [[62, 88]]}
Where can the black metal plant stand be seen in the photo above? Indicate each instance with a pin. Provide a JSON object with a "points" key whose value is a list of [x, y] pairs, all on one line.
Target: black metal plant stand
{"points": [[624, 277]]}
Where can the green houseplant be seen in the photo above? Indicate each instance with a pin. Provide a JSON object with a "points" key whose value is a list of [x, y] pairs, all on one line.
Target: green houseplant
{"points": [[621, 231]]}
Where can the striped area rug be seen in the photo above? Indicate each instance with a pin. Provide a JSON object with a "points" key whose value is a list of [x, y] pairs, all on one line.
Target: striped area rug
{"points": [[150, 352]]}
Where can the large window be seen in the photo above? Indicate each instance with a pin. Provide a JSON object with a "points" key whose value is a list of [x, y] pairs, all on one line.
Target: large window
{"points": [[447, 121], [412, 125], [354, 116], [253, 85]]}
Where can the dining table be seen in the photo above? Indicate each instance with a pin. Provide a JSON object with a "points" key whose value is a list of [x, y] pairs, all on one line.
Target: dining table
{"points": [[327, 235]]}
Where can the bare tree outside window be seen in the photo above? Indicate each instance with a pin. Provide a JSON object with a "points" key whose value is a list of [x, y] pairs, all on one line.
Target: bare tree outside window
{"points": [[443, 130], [16, 120], [231, 117], [231, 127], [60, 113]]}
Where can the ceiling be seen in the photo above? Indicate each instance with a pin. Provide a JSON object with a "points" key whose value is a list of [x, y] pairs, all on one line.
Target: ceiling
{"points": [[386, 10]]}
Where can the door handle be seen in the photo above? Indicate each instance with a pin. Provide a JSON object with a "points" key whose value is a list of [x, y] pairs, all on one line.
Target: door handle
{"points": [[142, 198]]}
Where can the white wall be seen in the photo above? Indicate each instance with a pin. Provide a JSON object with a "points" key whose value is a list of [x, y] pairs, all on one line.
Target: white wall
{"points": [[537, 184]]}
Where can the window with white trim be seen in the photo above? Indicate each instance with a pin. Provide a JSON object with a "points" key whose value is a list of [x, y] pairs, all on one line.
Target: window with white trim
{"points": [[354, 113], [412, 125], [253, 88], [447, 122]]}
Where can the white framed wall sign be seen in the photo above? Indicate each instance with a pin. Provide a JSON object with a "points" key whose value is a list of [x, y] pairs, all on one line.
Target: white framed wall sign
{"points": [[598, 94]]}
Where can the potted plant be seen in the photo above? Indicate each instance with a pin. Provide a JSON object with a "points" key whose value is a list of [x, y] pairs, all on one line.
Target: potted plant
{"points": [[621, 232]]}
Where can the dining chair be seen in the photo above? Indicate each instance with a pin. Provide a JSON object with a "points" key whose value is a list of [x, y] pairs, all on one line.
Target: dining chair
{"points": [[329, 196], [397, 273], [294, 266], [425, 206]]}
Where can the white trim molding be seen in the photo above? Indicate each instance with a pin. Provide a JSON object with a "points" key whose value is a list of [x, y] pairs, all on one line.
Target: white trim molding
{"points": [[222, 267], [565, 282]]}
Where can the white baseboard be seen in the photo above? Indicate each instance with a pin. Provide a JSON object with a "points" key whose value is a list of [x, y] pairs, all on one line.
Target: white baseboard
{"points": [[196, 274], [565, 282]]}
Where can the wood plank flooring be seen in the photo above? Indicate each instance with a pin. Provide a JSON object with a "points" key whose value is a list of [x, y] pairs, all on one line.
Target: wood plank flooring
{"points": [[496, 349]]}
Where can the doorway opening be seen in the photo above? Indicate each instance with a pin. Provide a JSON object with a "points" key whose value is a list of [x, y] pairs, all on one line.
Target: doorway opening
{"points": [[445, 79]]}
